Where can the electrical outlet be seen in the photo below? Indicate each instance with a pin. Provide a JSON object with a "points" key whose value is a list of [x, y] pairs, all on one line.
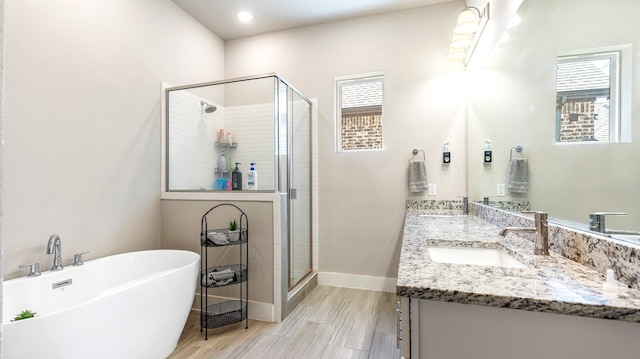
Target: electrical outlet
{"points": [[501, 190], [432, 189]]}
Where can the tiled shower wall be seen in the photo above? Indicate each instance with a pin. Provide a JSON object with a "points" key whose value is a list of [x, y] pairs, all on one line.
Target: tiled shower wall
{"points": [[194, 153]]}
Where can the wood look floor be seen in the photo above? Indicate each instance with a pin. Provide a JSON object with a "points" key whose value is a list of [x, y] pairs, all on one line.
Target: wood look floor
{"points": [[330, 323]]}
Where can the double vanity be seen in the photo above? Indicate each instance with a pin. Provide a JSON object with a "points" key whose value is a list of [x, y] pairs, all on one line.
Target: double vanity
{"points": [[467, 292]]}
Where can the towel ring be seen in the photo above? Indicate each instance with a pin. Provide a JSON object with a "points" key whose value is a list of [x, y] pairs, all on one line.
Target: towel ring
{"points": [[517, 148], [415, 152]]}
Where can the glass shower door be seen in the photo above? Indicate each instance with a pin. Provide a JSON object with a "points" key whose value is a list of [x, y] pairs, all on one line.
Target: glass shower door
{"points": [[300, 188]]}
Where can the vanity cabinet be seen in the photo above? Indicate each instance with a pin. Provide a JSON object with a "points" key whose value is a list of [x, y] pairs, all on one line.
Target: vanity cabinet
{"points": [[233, 272], [443, 330], [403, 331]]}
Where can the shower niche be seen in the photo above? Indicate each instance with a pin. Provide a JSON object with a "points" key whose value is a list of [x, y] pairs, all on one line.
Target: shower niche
{"points": [[210, 127]]}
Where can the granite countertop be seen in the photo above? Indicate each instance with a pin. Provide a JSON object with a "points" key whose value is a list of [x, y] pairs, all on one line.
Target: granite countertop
{"points": [[550, 284]]}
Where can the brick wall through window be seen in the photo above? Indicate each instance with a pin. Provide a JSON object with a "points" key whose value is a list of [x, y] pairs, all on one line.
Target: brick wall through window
{"points": [[360, 114], [362, 128]]}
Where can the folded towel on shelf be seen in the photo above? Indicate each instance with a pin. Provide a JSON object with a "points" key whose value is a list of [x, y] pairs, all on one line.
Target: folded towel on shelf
{"points": [[417, 176], [217, 278], [222, 282], [518, 181], [218, 238]]}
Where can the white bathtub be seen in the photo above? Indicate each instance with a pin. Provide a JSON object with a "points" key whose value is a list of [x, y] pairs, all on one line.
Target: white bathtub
{"points": [[131, 305]]}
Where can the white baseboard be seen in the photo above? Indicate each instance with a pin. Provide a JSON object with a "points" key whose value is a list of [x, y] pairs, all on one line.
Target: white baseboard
{"points": [[357, 281], [257, 310]]}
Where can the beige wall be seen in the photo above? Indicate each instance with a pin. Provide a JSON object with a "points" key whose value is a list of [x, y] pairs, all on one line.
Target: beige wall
{"points": [[81, 155], [1, 141], [362, 195], [82, 132], [181, 230], [512, 102]]}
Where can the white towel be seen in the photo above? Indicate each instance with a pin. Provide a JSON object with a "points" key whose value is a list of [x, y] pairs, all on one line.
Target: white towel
{"points": [[417, 176], [518, 181]]}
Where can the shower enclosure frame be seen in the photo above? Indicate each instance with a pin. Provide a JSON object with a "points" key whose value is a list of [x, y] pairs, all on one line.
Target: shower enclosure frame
{"points": [[283, 182]]}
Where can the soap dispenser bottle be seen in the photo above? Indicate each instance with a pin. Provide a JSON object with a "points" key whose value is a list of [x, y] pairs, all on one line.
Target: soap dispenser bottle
{"points": [[236, 178], [252, 178]]}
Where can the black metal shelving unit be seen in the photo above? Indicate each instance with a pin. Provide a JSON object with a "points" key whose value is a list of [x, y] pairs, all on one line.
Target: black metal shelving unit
{"points": [[231, 311]]}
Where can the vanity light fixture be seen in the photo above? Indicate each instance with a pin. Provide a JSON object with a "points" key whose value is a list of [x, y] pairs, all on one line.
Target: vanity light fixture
{"points": [[515, 21], [469, 26]]}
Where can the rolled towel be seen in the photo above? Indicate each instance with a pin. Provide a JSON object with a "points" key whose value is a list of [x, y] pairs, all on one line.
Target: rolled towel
{"points": [[518, 181], [417, 176]]}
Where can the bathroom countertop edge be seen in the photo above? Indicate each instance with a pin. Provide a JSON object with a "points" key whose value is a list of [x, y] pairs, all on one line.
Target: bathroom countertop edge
{"points": [[548, 285]]}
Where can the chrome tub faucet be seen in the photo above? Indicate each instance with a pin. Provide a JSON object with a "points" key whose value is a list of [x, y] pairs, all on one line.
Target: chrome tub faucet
{"points": [[34, 269], [55, 247], [541, 242]]}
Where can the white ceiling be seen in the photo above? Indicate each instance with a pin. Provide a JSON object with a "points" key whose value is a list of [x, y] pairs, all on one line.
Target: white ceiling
{"points": [[219, 16]]}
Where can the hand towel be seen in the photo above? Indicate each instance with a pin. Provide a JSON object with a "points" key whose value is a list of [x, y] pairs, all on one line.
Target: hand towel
{"points": [[417, 176], [518, 181]]}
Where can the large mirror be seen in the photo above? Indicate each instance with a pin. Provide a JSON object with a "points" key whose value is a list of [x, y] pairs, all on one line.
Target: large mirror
{"points": [[512, 102]]}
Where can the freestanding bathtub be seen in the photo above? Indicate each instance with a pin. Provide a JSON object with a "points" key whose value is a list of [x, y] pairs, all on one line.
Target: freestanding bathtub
{"points": [[132, 305]]}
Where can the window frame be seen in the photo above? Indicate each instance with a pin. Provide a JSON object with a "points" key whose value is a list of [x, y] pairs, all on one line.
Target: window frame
{"points": [[619, 89], [340, 81]]}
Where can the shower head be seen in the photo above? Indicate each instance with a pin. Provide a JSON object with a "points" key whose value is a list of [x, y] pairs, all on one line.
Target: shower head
{"points": [[207, 108]]}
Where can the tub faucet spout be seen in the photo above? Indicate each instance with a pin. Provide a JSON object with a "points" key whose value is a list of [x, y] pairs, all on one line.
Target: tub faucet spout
{"points": [[541, 230], [55, 247]]}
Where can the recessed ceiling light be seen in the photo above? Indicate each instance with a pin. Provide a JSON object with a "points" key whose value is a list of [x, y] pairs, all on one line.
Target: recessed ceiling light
{"points": [[244, 16]]}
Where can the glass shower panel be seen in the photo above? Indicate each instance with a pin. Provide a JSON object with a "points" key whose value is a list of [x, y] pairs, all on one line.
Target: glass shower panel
{"points": [[300, 178], [282, 150], [250, 117], [243, 110]]}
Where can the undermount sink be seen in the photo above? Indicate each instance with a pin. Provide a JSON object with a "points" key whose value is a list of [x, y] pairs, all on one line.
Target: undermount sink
{"points": [[475, 256]]}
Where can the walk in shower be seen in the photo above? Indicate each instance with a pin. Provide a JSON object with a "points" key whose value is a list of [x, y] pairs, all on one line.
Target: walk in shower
{"points": [[258, 122]]}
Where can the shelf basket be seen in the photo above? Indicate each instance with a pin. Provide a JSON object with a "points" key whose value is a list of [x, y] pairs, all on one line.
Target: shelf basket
{"points": [[222, 237], [220, 276], [225, 313], [229, 270]]}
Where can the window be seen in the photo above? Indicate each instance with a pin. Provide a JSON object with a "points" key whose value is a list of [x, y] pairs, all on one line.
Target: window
{"points": [[589, 105], [359, 113]]}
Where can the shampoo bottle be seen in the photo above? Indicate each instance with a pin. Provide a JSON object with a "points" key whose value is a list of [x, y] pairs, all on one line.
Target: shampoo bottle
{"points": [[221, 180], [252, 178], [222, 164], [236, 178]]}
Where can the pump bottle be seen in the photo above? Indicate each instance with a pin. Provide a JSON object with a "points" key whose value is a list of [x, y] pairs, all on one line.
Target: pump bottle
{"points": [[236, 178], [252, 178]]}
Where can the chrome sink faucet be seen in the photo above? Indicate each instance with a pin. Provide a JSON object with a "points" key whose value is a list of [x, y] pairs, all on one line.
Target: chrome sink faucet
{"points": [[597, 223], [55, 247], [541, 230], [596, 220]]}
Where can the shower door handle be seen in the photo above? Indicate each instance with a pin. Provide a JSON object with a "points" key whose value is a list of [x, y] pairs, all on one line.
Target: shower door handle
{"points": [[293, 193]]}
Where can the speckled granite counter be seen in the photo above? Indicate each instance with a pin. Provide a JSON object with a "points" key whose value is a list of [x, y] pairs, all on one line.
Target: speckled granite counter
{"points": [[551, 284]]}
